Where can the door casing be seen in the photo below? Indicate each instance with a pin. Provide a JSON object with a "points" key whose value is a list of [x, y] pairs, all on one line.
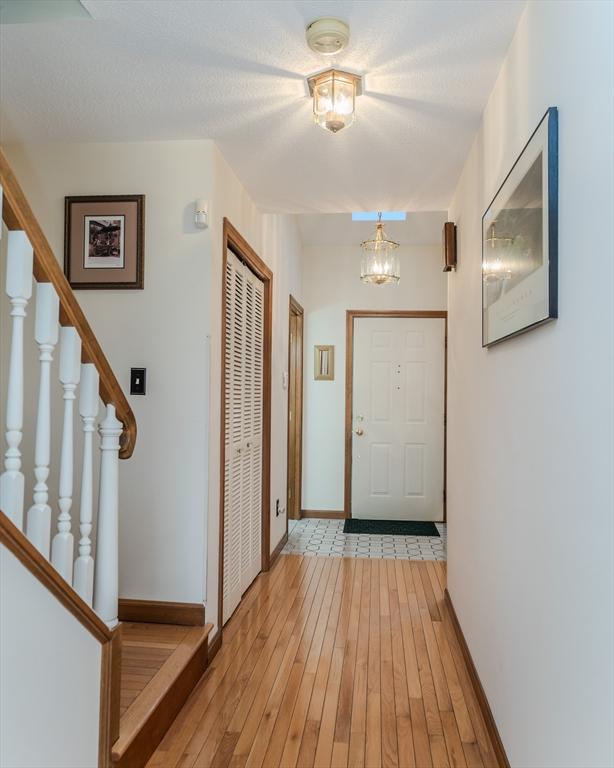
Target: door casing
{"points": [[233, 240], [295, 406], [349, 390]]}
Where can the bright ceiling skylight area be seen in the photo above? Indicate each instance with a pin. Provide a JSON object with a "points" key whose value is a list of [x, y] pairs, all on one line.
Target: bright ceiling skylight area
{"points": [[324, 229], [373, 215]]}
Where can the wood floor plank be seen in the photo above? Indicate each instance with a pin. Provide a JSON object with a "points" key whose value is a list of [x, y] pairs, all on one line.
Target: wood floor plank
{"points": [[414, 691], [238, 698], [311, 731], [326, 733], [253, 707], [422, 747], [463, 719], [271, 739], [390, 755], [373, 736], [456, 754], [308, 651], [427, 620], [358, 726], [185, 739], [296, 726], [327, 662], [401, 699], [341, 739]]}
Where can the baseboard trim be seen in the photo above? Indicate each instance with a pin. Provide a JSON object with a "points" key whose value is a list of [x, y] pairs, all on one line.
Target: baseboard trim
{"points": [[161, 612], [277, 551], [324, 514], [491, 725]]}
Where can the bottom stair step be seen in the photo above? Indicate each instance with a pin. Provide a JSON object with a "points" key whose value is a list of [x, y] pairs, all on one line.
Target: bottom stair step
{"points": [[161, 664]]}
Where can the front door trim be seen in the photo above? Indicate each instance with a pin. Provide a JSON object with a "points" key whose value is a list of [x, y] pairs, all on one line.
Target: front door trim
{"points": [[349, 388]]}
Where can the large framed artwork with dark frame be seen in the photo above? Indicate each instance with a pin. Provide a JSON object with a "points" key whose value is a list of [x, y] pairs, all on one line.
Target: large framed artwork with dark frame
{"points": [[103, 241], [520, 241]]}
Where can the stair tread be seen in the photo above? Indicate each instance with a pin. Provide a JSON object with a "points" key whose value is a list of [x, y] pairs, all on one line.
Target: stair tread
{"points": [[186, 642]]}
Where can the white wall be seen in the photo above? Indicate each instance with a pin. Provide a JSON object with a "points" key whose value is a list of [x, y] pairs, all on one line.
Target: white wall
{"points": [[530, 454], [44, 650], [331, 285], [169, 328], [275, 239], [164, 328]]}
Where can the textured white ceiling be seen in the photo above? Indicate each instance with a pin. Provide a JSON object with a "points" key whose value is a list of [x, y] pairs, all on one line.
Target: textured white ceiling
{"points": [[235, 72]]}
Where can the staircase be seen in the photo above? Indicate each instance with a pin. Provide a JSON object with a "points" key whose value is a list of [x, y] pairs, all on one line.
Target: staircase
{"points": [[145, 670]]}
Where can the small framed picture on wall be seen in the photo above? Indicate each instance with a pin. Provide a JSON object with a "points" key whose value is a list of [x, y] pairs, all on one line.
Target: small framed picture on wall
{"points": [[324, 362], [104, 241]]}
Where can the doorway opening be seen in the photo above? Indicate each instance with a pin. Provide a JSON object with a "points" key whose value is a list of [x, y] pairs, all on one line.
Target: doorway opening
{"points": [[245, 433], [295, 410], [395, 415]]}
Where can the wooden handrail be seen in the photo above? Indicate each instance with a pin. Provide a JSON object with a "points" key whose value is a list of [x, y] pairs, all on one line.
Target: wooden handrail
{"points": [[15, 541], [17, 214]]}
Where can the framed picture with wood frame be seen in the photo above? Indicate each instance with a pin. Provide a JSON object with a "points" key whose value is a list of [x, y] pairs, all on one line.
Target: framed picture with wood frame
{"points": [[324, 362], [104, 241]]}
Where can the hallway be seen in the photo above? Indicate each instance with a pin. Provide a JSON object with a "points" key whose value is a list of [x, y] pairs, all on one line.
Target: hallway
{"points": [[335, 662]]}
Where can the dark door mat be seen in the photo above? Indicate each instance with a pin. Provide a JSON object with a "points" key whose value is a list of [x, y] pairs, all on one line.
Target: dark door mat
{"points": [[391, 527]]}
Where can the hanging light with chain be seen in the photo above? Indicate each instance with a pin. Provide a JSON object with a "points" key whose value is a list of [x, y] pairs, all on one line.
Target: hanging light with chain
{"points": [[380, 264]]}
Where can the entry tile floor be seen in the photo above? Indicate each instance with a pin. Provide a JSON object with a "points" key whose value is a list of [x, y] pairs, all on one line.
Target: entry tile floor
{"points": [[325, 538]]}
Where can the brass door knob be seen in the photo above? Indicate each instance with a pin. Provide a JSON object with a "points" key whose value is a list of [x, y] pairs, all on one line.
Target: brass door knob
{"points": [[359, 431]]}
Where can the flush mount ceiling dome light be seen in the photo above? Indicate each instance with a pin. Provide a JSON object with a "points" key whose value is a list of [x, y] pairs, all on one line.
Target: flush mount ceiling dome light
{"points": [[380, 264], [334, 98], [327, 36]]}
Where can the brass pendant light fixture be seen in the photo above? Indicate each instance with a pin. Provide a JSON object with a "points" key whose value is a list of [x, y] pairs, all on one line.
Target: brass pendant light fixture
{"points": [[334, 98], [380, 264], [333, 91]]}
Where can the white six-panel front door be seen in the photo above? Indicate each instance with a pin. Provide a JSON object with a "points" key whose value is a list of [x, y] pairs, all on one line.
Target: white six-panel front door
{"points": [[398, 418]]}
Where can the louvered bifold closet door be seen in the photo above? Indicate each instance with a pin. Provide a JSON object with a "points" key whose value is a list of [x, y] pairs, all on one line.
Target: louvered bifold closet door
{"points": [[235, 290], [256, 450], [243, 430]]}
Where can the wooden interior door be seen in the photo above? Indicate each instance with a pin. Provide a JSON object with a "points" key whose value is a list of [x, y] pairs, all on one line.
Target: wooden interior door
{"points": [[295, 410]]}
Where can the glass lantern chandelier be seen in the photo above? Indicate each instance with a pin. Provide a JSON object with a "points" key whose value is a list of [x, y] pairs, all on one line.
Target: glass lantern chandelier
{"points": [[380, 264], [334, 98]]}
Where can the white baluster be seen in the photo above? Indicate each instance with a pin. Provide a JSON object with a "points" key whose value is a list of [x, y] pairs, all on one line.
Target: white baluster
{"points": [[19, 291], [83, 580], [62, 548], [46, 334], [106, 589]]}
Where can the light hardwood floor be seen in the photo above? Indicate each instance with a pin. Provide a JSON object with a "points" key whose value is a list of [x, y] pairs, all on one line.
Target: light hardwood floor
{"points": [[335, 662], [145, 648]]}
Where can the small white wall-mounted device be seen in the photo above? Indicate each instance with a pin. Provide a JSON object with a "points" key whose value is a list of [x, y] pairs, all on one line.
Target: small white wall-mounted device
{"points": [[201, 214]]}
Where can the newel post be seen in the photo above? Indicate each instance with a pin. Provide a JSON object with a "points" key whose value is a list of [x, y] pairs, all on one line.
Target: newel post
{"points": [[106, 582]]}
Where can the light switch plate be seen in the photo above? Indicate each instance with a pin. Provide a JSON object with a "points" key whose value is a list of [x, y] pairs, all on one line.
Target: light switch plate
{"points": [[138, 378]]}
